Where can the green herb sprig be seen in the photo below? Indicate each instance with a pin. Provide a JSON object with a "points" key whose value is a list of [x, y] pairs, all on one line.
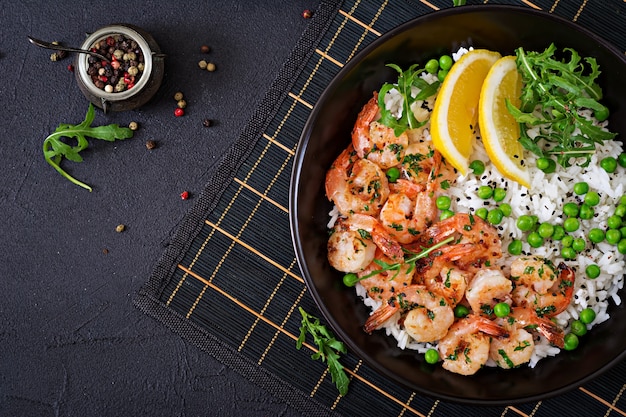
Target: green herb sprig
{"points": [[329, 349], [560, 89], [406, 80], [351, 279], [54, 148]]}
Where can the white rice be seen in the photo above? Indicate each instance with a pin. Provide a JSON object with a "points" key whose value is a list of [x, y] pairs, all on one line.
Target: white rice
{"points": [[549, 192]]}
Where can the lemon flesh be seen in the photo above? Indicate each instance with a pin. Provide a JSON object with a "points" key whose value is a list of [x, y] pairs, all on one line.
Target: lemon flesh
{"points": [[499, 131], [455, 114]]}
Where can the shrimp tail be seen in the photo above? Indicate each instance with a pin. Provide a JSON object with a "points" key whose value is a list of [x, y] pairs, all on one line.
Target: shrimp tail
{"points": [[566, 278], [490, 327], [551, 332], [379, 317]]}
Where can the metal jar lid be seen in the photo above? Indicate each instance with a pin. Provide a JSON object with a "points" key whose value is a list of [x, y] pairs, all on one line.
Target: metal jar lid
{"points": [[146, 86]]}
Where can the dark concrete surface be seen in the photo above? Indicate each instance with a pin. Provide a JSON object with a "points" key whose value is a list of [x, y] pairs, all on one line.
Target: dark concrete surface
{"points": [[71, 341]]}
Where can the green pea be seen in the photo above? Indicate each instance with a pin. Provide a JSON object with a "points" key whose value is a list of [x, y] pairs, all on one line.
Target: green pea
{"points": [[461, 311], [499, 194], [567, 241], [446, 214], [525, 223], [621, 159], [443, 202], [579, 244], [431, 356], [587, 315], [614, 222], [545, 230], [432, 66], [350, 279], [571, 224], [596, 235], [622, 230], [570, 209], [495, 216], [586, 212], [506, 209], [482, 213], [570, 341], [534, 239], [477, 166], [609, 164], [445, 62], [622, 199], [485, 192], [621, 246], [501, 310], [592, 271], [581, 188], [613, 236], [601, 114], [559, 232], [578, 328], [592, 198], [515, 247], [393, 174], [568, 253], [441, 75], [620, 210], [547, 165]]}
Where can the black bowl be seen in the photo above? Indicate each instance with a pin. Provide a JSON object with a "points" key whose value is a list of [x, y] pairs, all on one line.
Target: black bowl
{"points": [[327, 133]]}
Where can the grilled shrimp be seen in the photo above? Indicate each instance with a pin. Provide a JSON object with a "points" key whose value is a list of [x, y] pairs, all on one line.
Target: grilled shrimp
{"points": [[352, 244], [409, 210], [375, 141], [465, 348], [476, 242], [488, 288], [542, 286], [383, 285], [528, 319], [514, 350], [428, 315], [356, 185]]}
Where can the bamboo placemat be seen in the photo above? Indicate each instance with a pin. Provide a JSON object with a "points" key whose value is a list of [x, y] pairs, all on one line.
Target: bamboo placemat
{"points": [[229, 282]]}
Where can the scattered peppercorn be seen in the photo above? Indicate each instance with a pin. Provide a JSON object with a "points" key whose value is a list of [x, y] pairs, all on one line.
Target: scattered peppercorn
{"points": [[150, 144], [70, 68], [133, 126], [182, 104], [184, 195], [105, 251], [179, 112], [178, 96], [210, 67], [120, 228], [54, 57], [202, 64], [307, 14], [205, 49], [206, 123]]}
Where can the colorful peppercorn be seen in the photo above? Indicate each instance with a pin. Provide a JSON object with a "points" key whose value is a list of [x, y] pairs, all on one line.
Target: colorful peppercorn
{"points": [[178, 96], [307, 14], [205, 49], [178, 112], [210, 67], [150, 144], [184, 195], [133, 126]]}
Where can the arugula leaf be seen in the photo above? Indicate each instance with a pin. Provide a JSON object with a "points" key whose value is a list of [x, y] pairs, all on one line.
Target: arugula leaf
{"points": [[54, 149], [554, 94], [408, 82], [329, 349]]}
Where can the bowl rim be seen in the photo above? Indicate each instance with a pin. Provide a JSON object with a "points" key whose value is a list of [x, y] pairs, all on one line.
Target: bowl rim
{"points": [[296, 172]]}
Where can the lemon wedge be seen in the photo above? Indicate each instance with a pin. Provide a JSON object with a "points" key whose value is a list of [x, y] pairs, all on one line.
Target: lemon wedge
{"points": [[499, 130], [455, 114]]}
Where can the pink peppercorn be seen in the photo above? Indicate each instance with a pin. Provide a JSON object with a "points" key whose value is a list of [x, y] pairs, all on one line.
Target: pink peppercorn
{"points": [[184, 195], [307, 14], [179, 112]]}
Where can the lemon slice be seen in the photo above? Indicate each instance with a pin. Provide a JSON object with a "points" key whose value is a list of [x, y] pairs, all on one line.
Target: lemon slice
{"points": [[499, 130], [455, 113]]}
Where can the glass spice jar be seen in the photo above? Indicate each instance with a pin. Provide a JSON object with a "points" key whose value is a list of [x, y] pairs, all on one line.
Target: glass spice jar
{"points": [[136, 67]]}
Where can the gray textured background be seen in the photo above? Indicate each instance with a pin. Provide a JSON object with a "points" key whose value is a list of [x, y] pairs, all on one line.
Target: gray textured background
{"points": [[71, 342]]}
